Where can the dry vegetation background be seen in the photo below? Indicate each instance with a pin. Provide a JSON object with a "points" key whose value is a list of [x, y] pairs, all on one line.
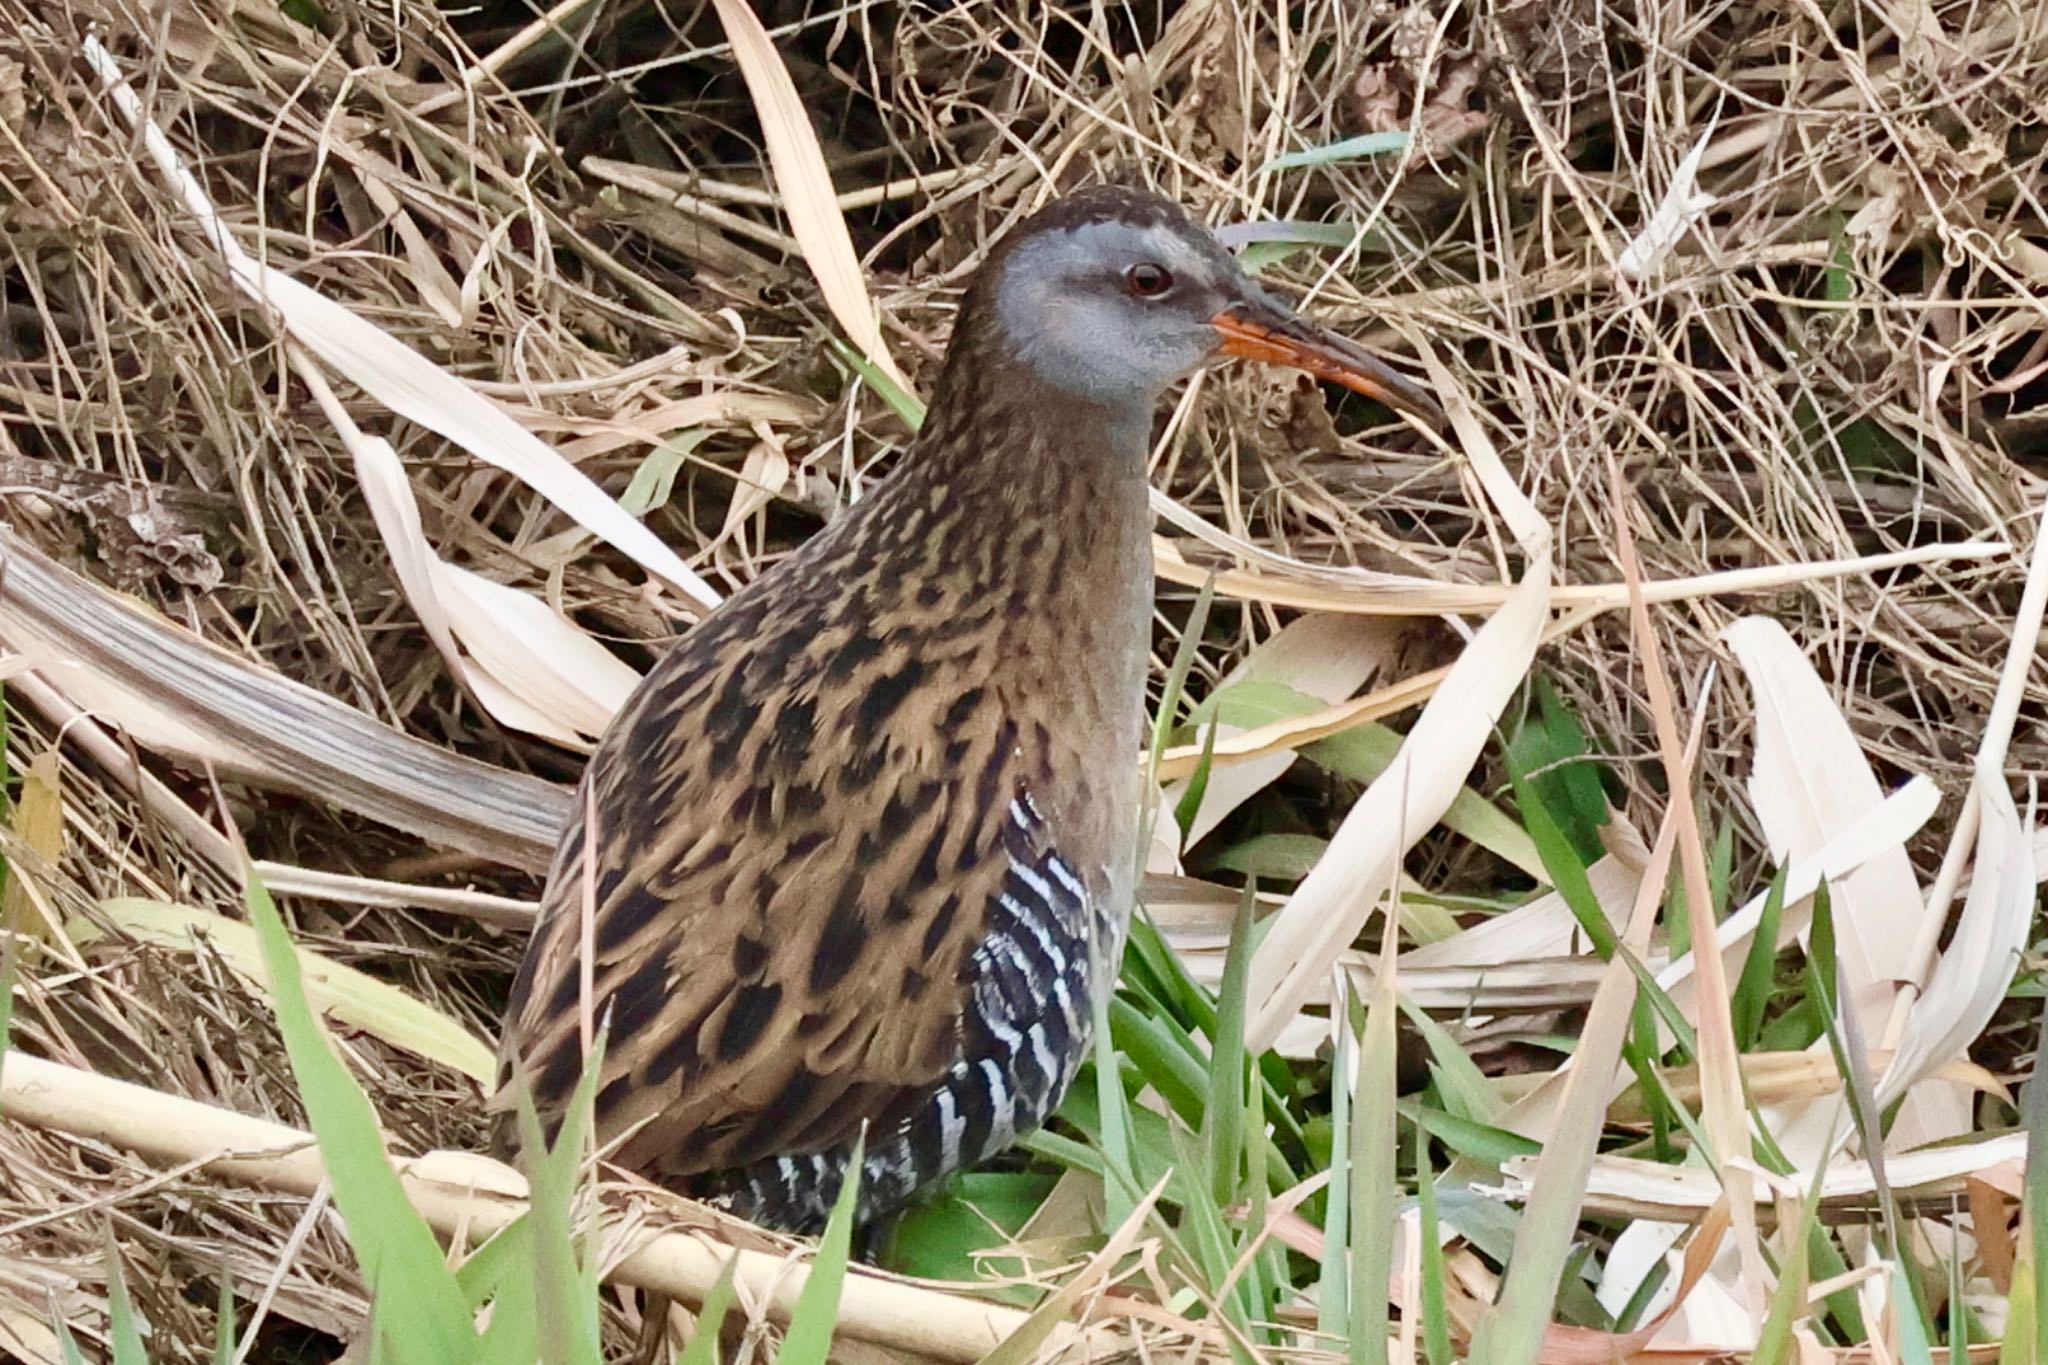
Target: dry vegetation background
{"points": [[1848, 356]]}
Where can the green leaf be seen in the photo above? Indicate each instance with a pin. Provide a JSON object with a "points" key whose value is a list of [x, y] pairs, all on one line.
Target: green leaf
{"points": [[1271, 857], [1561, 860], [938, 1238], [1190, 803], [224, 1322], [809, 1340], [1261, 245], [1436, 1317], [1223, 1124], [1333, 1283], [1477, 1141], [703, 1347], [1753, 989], [1550, 753], [501, 1273], [1121, 1190], [654, 482], [1459, 1081], [1350, 149], [2022, 1344], [564, 1279], [906, 405], [2034, 1189], [125, 1336], [1363, 752], [419, 1313], [1775, 1342], [67, 1343], [1374, 1190], [1916, 1335]]}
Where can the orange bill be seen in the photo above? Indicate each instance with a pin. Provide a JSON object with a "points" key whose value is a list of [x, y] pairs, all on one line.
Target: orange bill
{"points": [[1270, 334]]}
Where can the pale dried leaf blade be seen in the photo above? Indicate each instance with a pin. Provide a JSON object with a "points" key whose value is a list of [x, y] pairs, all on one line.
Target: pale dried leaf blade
{"points": [[396, 510], [339, 992], [530, 647], [1900, 816], [1542, 928], [673, 1256], [39, 824], [1682, 205], [1683, 1193], [196, 702], [516, 691], [805, 184], [1970, 979], [399, 376], [1811, 781], [518, 676], [1324, 656], [1285, 582], [1337, 897]]}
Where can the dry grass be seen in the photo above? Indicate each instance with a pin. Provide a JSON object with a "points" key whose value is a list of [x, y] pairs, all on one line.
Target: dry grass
{"points": [[1850, 356]]}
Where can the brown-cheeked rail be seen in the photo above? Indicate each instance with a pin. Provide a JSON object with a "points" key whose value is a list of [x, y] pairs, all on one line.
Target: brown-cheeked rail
{"points": [[861, 846]]}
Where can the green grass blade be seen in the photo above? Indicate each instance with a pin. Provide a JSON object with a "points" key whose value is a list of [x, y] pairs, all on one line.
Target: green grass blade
{"points": [[1824, 974], [564, 1281], [1350, 149], [1916, 1334], [1374, 1188], [654, 482], [1223, 1126], [1473, 1141], [703, 1347], [2022, 1331], [1121, 1191], [1567, 869], [1753, 989], [419, 1310], [903, 403], [501, 1272], [224, 1321], [1190, 803], [809, 1339], [1775, 1342], [1164, 1055], [67, 1343], [1113, 1121], [124, 1335], [1436, 1316], [1333, 1284], [2034, 1190], [1459, 1082]]}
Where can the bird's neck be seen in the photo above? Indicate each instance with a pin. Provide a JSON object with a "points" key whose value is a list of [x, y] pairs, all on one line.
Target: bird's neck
{"points": [[999, 436], [1028, 511]]}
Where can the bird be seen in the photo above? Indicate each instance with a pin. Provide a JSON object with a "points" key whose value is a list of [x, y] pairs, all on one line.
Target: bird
{"points": [[856, 858]]}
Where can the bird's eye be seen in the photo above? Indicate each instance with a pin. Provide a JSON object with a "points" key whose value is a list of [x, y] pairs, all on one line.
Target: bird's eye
{"points": [[1148, 281]]}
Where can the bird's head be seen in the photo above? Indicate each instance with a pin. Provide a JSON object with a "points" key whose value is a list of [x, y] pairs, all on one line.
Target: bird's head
{"points": [[1111, 295]]}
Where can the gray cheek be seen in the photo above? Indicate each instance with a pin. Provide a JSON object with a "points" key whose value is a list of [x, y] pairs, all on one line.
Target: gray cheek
{"points": [[1079, 348]]}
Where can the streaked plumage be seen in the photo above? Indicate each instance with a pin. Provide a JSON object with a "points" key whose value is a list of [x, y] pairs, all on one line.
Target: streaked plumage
{"points": [[863, 838]]}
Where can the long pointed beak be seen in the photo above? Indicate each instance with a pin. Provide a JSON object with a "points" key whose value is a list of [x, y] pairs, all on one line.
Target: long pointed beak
{"points": [[1260, 330]]}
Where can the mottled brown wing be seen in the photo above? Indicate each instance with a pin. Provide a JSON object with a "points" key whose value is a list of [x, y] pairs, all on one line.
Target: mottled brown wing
{"points": [[792, 821]]}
